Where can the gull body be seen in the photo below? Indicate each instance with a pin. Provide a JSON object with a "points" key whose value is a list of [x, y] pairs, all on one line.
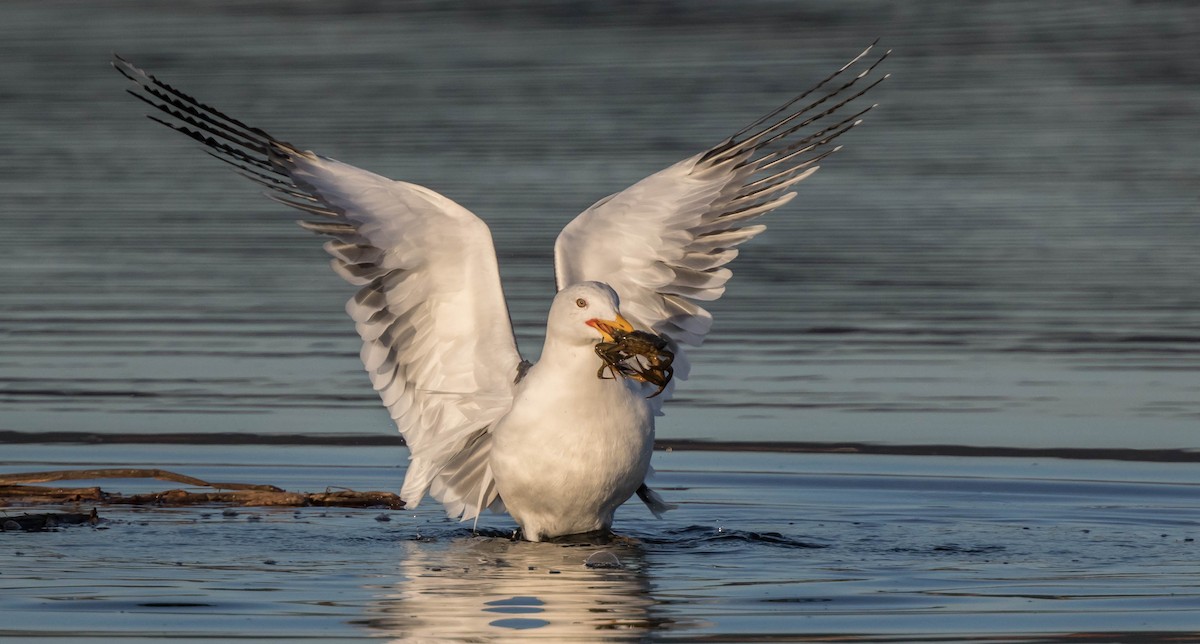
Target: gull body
{"points": [[574, 447], [554, 443]]}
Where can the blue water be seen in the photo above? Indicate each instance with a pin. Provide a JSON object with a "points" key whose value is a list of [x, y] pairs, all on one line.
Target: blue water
{"points": [[1005, 254], [764, 547]]}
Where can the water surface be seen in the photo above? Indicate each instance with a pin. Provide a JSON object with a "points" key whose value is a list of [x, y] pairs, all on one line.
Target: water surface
{"points": [[764, 547], [1005, 254]]}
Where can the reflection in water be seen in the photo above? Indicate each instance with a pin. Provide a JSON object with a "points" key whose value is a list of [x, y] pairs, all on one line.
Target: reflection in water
{"points": [[495, 588]]}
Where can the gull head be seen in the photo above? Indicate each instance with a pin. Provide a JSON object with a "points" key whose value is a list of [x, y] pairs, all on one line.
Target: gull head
{"points": [[587, 313]]}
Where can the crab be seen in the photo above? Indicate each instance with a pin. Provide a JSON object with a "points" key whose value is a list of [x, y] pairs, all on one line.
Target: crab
{"points": [[639, 355]]}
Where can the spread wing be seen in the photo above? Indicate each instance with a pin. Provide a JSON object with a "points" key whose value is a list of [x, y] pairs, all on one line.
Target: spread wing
{"points": [[664, 242], [437, 340]]}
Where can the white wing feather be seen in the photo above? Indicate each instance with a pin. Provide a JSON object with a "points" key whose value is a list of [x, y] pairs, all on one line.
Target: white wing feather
{"points": [[663, 243], [437, 340]]}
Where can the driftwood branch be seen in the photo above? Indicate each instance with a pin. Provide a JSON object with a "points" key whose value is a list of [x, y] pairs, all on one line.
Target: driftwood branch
{"points": [[13, 492], [124, 473]]}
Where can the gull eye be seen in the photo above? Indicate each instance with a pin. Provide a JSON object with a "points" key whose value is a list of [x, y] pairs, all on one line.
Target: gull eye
{"points": [[581, 303]]}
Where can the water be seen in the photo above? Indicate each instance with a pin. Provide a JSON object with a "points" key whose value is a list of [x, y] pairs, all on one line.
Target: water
{"points": [[764, 547], [1004, 255]]}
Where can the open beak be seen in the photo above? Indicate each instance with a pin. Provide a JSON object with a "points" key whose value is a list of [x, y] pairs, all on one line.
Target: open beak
{"points": [[607, 327]]}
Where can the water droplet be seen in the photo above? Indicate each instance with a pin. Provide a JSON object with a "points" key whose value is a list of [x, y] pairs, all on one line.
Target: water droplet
{"points": [[603, 559]]}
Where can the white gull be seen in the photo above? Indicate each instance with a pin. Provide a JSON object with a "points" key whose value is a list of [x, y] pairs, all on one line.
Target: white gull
{"points": [[552, 444]]}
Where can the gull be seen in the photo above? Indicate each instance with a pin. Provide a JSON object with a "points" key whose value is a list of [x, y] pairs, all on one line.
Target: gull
{"points": [[554, 444]]}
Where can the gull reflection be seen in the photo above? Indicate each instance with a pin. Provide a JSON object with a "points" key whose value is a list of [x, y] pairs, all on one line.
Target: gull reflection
{"points": [[495, 589]]}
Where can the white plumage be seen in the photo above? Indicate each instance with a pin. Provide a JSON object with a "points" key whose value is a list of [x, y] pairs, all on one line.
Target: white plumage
{"points": [[555, 445]]}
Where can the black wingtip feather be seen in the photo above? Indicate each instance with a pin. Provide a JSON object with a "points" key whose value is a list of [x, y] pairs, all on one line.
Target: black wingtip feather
{"points": [[772, 127], [252, 152]]}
